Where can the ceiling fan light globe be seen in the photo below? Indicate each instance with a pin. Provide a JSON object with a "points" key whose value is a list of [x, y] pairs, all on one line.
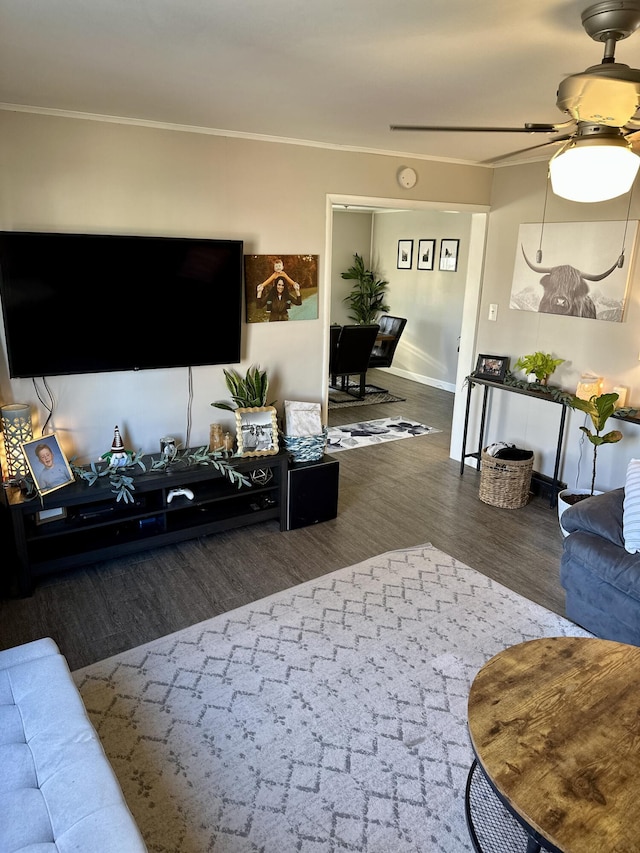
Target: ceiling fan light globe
{"points": [[593, 170]]}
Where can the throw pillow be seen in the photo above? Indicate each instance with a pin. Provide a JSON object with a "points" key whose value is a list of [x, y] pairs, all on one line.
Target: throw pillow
{"points": [[631, 508]]}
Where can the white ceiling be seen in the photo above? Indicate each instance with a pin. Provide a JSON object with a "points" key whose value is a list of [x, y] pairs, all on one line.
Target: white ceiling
{"points": [[335, 72]]}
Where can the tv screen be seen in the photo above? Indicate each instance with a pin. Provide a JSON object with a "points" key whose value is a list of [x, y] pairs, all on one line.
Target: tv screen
{"points": [[82, 303]]}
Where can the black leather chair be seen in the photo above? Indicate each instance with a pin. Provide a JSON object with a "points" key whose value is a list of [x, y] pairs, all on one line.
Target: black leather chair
{"points": [[334, 337], [383, 352], [351, 355]]}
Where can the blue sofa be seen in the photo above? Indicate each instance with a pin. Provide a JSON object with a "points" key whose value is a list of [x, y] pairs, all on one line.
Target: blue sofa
{"points": [[600, 577]]}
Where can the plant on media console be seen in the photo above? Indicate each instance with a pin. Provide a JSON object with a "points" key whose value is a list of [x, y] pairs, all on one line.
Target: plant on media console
{"points": [[247, 392]]}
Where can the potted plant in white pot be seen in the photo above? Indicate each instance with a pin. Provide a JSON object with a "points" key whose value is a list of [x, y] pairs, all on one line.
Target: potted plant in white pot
{"points": [[599, 408], [539, 365]]}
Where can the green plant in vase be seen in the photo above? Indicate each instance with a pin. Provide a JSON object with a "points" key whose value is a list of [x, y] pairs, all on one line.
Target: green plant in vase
{"points": [[539, 364], [247, 392], [599, 408], [366, 300]]}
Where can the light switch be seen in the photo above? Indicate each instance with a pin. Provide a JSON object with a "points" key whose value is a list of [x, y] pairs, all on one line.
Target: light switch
{"points": [[493, 311]]}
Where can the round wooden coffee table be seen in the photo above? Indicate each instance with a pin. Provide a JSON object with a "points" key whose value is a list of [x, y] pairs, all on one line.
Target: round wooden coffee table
{"points": [[555, 727]]}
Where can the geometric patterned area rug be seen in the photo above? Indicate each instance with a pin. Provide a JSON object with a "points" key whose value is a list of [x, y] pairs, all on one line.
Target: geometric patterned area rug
{"points": [[328, 717], [349, 436], [373, 395]]}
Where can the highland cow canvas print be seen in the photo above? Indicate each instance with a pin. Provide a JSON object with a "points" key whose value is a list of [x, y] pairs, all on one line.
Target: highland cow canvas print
{"points": [[574, 269], [281, 287]]}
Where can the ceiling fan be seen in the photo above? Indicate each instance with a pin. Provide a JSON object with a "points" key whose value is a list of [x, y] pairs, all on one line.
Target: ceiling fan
{"points": [[601, 103]]}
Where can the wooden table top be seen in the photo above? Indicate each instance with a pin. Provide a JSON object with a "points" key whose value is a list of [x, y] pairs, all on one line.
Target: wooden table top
{"points": [[555, 725]]}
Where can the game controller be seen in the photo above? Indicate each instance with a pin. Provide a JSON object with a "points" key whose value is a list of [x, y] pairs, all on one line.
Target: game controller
{"points": [[173, 492]]}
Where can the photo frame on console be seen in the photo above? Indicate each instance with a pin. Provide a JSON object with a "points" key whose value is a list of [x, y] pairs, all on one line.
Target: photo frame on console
{"points": [[492, 367], [47, 463], [257, 431]]}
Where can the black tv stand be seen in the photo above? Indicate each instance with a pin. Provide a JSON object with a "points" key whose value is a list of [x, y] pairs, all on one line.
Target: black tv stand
{"points": [[90, 525]]}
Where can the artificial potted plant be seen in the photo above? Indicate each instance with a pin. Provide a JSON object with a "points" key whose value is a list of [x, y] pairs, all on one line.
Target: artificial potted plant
{"points": [[599, 407], [246, 392], [538, 364], [366, 300]]}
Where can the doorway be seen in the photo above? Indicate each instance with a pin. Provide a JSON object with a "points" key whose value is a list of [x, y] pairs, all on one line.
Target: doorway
{"points": [[472, 289]]}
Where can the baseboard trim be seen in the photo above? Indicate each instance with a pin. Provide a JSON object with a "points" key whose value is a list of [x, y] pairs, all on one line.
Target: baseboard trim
{"points": [[423, 380]]}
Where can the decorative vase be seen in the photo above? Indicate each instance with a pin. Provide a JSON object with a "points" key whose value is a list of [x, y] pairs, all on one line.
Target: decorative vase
{"points": [[216, 437], [532, 379], [563, 503]]}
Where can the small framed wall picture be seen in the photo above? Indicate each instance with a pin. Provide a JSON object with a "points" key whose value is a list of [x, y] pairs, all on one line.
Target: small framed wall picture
{"points": [[47, 463], [449, 255], [491, 367], [405, 254], [257, 431], [426, 251]]}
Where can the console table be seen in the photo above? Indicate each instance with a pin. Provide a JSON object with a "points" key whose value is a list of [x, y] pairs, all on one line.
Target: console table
{"points": [[488, 386], [555, 729]]}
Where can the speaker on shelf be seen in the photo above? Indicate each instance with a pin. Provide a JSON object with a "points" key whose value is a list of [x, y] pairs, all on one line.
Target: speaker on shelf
{"points": [[312, 492]]}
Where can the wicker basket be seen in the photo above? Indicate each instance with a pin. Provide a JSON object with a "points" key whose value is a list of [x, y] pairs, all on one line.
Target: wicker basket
{"points": [[505, 482]]}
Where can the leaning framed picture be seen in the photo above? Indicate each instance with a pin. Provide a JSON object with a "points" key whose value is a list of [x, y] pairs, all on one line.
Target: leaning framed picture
{"points": [[257, 431], [492, 367], [426, 251], [48, 464], [405, 254], [449, 255]]}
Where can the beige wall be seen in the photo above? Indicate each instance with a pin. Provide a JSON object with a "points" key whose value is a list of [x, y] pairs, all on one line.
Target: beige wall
{"points": [[83, 175], [606, 349]]}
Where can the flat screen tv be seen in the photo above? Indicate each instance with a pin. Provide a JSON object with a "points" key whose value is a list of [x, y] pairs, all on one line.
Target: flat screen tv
{"points": [[86, 303]]}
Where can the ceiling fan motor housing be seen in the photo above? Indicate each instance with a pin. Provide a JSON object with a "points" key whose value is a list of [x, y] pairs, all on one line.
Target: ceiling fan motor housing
{"points": [[601, 94], [608, 93], [611, 19]]}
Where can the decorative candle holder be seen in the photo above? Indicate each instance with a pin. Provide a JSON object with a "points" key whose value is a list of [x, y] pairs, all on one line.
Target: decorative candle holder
{"points": [[16, 428], [589, 386]]}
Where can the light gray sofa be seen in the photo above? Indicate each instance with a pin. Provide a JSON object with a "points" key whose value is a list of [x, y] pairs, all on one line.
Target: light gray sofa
{"points": [[58, 792]]}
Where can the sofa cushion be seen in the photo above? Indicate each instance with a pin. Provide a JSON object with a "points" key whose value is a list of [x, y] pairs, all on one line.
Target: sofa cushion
{"points": [[58, 792], [599, 514], [631, 515], [603, 560]]}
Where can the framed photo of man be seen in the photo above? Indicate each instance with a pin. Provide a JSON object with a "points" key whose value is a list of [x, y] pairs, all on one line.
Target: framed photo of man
{"points": [[48, 464]]}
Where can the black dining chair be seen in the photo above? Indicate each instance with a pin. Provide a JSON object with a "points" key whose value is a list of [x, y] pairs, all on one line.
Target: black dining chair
{"points": [[383, 351], [351, 356]]}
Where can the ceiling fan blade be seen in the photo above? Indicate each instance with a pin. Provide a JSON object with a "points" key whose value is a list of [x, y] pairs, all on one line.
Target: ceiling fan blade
{"points": [[634, 138], [492, 160], [530, 127]]}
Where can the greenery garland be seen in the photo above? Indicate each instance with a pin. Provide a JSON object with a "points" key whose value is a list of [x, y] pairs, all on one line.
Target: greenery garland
{"points": [[123, 485], [554, 392]]}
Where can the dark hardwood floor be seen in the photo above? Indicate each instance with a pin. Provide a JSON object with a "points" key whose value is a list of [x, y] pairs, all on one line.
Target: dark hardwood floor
{"points": [[394, 495]]}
